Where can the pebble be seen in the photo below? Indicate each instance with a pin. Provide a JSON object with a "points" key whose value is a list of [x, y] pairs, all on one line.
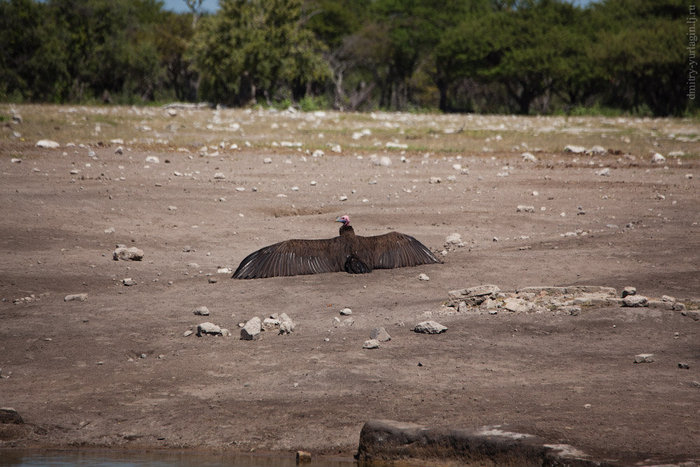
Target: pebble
{"points": [[188, 333], [605, 172], [528, 157], [423, 277], [126, 254], [657, 158], [516, 305], [219, 176], [286, 324], [47, 144], [574, 149], [251, 330], [201, 311], [379, 334], [267, 160], [523, 208], [128, 282], [152, 160], [644, 358], [346, 311], [635, 301], [629, 290], [208, 328], [371, 344], [78, 297], [429, 327], [454, 239]]}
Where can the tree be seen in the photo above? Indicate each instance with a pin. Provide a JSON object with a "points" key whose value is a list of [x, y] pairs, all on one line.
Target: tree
{"points": [[255, 48]]}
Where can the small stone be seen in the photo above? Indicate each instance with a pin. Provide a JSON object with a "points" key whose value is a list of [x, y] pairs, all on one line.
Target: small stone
{"points": [[516, 305], [212, 280], [126, 254], [128, 282], [286, 324], [119, 150], [371, 344], [472, 295], [208, 328], [668, 298], [528, 157], [109, 230], [267, 160], [574, 149], [188, 333], [429, 327], [47, 144], [523, 208], [683, 366], [629, 291], [423, 277], [9, 415], [644, 358], [303, 457], [435, 180], [201, 311], [635, 301], [346, 311], [251, 330], [152, 160], [379, 334], [219, 176], [604, 172], [77, 297], [657, 158], [454, 239]]}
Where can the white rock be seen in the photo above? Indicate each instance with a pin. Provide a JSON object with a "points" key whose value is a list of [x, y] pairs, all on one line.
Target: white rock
{"points": [[529, 157], [657, 158], [47, 144], [454, 239], [126, 254], [219, 176], [523, 208], [77, 297], [318, 153], [371, 344], [15, 160], [286, 324], [119, 150], [604, 172], [379, 334], [434, 180], [208, 328], [423, 277], [201, 311], [574, 149], [644, 358], [635, 301], [516, 305], [152, 160], [346, 311], [267, 160], [251, 330], [598, 150], [224, 270], [429, 327], [128, 282]]}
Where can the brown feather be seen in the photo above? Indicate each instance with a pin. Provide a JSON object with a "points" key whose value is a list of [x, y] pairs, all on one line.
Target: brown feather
{"points": [[296, 257]]}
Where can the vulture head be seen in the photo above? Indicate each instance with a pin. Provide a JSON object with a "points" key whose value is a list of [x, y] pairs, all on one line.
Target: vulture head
{"points": [[344, 219]]}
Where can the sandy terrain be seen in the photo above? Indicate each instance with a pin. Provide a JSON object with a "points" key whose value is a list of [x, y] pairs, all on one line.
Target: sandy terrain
{"points": [[116, 370]]}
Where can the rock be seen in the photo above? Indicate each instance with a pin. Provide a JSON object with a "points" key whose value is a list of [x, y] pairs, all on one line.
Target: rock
{"points": [[371, 344], [604, 172], [657, 159], [516, 305], [379, 334], [128, 282], [9, 415], [188, 333], [629, 291], [473, 295], [598, 150], [523, 208], [528, 157], [286, 324], [251, 330], [694, 315], [201, 311], [423, 277], [644, 358], [208, 328], [668, 298], [635, 301], [346, 311], [574, 149], [429, 327], [454, 239], [119, 150], [127, 254], [303, 457], [77, 297], [47, 144], [434, 180], [683, 366], [219, 176]]}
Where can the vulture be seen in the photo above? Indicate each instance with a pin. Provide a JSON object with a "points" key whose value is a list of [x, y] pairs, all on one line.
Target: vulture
{"points": [[346, 252]]}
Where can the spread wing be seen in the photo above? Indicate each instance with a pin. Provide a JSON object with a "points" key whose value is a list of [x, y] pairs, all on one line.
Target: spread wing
{"points": [[293, 257], [394, 250]]}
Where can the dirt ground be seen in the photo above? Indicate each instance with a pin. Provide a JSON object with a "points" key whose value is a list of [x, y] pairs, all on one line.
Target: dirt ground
{"points": [[117, 370]]}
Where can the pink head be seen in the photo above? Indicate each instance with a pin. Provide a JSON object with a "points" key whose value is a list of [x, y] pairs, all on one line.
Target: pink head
{"points": [[344, 219]]}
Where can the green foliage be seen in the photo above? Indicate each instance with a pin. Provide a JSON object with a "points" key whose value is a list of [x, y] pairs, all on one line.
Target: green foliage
{"points": [[524, 56]]}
